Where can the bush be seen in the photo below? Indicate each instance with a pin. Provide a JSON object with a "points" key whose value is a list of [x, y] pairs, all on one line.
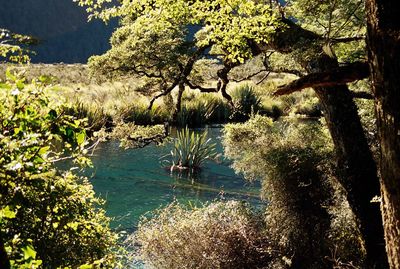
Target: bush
{"points": [[48, 216], [131, 135], [293, 160], [309, 107], [219, 235]]}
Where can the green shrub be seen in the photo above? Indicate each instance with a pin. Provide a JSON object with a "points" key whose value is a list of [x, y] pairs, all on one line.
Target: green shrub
{"points": [[194, 113], [191, 150], [131, 135], [309, 107], [219, 235], [48, 216], [271, 107], [307, 209]]}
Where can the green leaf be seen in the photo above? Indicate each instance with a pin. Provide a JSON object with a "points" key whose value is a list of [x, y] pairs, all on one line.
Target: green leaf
{"points": [[44, 150], [29, 252], [80, 137], [7, 213], [20, 84], [10, 76], [5, 86]]}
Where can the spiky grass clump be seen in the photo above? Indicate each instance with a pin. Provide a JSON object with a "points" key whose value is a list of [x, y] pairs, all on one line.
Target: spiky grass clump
{"points": [[191, 150], [200, 109], [246, 101]]}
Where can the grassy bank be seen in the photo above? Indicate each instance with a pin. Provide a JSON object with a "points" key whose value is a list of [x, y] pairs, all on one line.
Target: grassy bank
{"points": [[107, 103]]}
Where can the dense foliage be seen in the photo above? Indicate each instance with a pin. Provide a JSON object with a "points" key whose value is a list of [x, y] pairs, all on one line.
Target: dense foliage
{"points": [[218, 235], [49, 217], [13, 46], [308, 218], [324, 39], [229, 29]]}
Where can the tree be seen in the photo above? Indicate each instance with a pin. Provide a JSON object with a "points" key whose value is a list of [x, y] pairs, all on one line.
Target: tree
{"points": [[384, 61], [239, 30], [49, 217], [12, 46], [159, 48]]}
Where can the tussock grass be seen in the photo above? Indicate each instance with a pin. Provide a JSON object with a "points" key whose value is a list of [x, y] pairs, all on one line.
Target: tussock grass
{"points": [[218, 235], [105, 103]]}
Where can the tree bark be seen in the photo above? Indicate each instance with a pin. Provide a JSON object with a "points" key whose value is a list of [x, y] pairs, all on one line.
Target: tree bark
{"points": [[357, 168], [339, 76], [4, 261], [384, 58], [178, 106]]}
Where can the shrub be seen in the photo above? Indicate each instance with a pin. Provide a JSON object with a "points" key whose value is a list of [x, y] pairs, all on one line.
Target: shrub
{"points": [[131, 135], [293, 161], [219, 235], [271, 107], [48, 216], [309, 107]]}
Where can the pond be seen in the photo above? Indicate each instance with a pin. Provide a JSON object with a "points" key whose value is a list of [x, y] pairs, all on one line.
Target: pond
{"points": [[134, 181]]}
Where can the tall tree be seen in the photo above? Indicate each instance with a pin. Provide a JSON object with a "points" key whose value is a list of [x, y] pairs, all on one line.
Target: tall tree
{"points": [[384, 61], [238, 30]]}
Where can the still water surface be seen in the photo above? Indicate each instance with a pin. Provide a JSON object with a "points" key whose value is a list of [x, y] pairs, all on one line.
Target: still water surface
{"points": [[135, 181]]}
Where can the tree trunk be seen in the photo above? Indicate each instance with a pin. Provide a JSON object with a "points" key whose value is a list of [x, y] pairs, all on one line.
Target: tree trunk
{"points": [[178, 101], [358, 172], [354, 158], [4, 262], [384, 59]]}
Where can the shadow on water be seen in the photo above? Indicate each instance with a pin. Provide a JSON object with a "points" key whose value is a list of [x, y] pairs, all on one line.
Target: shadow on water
{"points": [[134, 182]]}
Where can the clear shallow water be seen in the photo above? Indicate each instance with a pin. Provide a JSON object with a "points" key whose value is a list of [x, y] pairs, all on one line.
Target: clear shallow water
{"points": [[134, 181]]}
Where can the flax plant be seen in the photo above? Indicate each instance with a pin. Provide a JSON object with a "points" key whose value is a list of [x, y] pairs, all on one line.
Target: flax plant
{"points": [[191, 150]]}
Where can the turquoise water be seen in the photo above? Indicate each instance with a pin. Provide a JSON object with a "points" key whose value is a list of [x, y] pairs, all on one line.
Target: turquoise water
{"points": [[135, 181]]}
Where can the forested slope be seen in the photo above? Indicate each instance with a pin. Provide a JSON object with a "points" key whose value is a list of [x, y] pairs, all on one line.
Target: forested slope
{"points": [[61, 27]]}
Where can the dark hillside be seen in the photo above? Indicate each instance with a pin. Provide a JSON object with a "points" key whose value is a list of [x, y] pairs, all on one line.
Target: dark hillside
{"points": [[60, 25]]}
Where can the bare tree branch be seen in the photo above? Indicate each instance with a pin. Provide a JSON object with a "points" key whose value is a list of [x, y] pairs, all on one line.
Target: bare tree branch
{"points": [[198, 87], [363, 95], [347, 39], [263, 78], [341, 75], [163, 93], [224, 80], [142, 142], [184, 73], [249, 76]]}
